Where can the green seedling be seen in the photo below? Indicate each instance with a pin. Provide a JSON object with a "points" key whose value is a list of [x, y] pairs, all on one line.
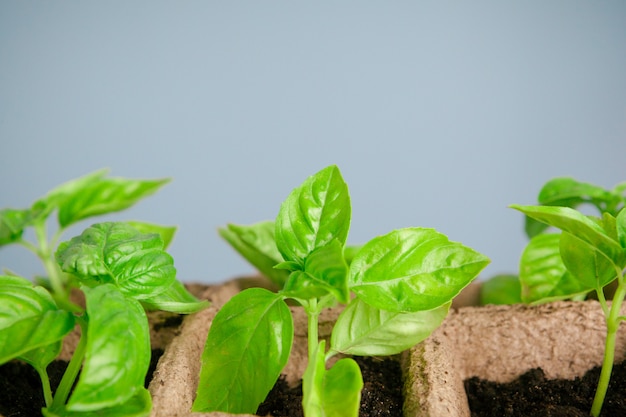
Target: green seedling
{"points": [[542, 274], [590, 254], [120, 267], [397, 289]]}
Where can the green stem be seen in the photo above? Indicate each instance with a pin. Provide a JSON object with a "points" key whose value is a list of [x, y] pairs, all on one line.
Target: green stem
{"points": [[612, 324], [313, 313], [67, 382], [45, 385], [45, 254]]}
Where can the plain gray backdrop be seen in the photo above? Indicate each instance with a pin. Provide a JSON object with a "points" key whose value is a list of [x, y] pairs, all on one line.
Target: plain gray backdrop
{"points": [[439, 114]]}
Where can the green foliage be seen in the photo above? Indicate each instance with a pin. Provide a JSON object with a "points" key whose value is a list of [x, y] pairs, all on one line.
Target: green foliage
{"points": [[398, 288], [247, 347], [543, 276], [588, 255], [500, 289], [119, 266]]}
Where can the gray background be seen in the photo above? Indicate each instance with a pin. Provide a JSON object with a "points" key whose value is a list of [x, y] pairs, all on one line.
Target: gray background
{"points": [[439, 114]]}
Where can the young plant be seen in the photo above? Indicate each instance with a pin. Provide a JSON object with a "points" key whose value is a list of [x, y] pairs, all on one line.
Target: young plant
{"points": [[591, 254], [397, 287], [121, 267], [542, 275]]}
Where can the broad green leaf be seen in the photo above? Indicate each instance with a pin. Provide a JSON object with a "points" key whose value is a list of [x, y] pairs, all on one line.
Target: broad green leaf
{"points": [[257, 245], [139, 405], [175, 299], [585, 263], [314, 214], [325, 271], [576, 223], [568, 192], [12, 224], [115, 252], [501, 289], [30, 322], [413, 269], [117, 353], [106, 195], [543, 274], [368, 331], [331, 393], [42, 208], [42, 356], [247, 347], [166, 232]]}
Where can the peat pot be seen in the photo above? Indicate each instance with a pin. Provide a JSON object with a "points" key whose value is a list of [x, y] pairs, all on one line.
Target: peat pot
{"points": [[496, 343]]}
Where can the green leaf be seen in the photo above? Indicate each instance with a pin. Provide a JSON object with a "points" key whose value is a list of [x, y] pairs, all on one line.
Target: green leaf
{"points": [[105, 195], [413, 269], [166, 232], [175, 299], [115, 252], [368, 331], [57, 196], [314, 214], [543, 274], [325, 271], [568, 192], [576, 223], [12, 224], [585, 263], [501, 289], [257, 245], [139, 405], [30, 322], [117, 352], [247, 347], [41, 357], [332, 393]]}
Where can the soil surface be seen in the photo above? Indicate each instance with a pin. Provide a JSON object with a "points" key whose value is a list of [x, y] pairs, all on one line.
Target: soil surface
{"points": [[20, 387], [533, 395], [381, 395]]}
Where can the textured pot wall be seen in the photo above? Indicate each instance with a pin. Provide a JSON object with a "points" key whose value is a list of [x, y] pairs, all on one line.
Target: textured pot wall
{"points": [[499, 343], [493, 342]]}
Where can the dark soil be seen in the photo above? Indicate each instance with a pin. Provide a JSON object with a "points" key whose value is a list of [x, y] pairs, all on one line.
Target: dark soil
{"points": [[533, 395], [20, 387], [381, 395]]}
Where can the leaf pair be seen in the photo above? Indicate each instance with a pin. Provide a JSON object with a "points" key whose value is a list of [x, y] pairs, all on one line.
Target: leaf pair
{"points": [[584, 257], [87, 196], [568, 192]]}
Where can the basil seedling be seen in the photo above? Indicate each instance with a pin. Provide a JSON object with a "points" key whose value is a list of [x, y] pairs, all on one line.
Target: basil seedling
{"points": [[591, 254], [542, 274], [121, 267], [397, 289]]}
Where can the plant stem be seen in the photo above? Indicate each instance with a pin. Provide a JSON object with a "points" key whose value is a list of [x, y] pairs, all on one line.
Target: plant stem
{"points": [[65, 386], [313, 313], [45, 385], [45, 254], [612, 324]]}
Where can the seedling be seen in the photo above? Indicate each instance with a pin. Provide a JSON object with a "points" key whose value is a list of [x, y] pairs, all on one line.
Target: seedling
{"points": [[542, 274], [397, 287], [591, 254], [121, 267]]}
